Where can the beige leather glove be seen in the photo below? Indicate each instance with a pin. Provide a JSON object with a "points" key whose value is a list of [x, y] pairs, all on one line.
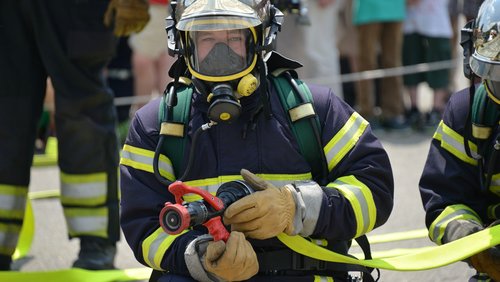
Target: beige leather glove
{"points": [[234, 260], [128, 16], [263, 214]]}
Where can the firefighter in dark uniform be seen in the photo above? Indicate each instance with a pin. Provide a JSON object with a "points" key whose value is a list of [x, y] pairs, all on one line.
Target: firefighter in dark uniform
{"points": [[460, 184], [245, 135], [68, 41]]}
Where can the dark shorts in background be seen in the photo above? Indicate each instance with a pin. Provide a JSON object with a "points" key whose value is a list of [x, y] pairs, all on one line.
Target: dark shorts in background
{"points": [[419, 49]]}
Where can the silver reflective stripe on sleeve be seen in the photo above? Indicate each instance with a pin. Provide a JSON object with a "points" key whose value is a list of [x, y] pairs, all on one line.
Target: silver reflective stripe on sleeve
{"points": [[344, 140], [361, 199], [143, 160]]}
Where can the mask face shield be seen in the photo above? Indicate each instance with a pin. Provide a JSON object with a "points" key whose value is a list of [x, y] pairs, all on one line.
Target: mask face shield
{"points": [[221, 55], [220, 37]]}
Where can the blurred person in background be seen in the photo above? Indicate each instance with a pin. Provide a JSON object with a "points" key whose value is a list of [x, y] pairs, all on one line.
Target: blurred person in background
{"points": [[121, 80], [379, 31], [427, 36], [347, 44], [310, 38], [150, 59], [71, 42]]}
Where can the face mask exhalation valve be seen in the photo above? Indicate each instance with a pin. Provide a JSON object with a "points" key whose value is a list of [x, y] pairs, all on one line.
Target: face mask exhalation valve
{"points": [[224, 107]]}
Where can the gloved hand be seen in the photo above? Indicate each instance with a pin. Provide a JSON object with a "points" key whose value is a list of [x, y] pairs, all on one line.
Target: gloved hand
{"points": [[234, 260], [265, 213], [487, 261], [128, 16]]}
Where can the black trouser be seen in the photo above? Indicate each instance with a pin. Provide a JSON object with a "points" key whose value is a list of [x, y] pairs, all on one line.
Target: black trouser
{"points": [[66, 40]]}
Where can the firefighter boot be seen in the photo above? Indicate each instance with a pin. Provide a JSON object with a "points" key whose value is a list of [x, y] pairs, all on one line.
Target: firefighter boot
{"points": [[96, 254]]}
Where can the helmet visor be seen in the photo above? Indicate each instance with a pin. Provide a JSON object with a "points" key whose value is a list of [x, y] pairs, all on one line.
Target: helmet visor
{"points": [[485, 62], [221, 55], [484, 67], [249, 12]]}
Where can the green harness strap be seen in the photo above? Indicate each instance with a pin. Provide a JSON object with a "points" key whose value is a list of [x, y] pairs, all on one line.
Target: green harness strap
{"points": [[485, 114], [175, 131], [299, 113]]}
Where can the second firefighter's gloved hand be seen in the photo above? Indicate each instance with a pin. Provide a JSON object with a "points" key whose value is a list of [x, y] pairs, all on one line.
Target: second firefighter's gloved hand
{"points": [[265, 213], [127, 16], [234, 260]]}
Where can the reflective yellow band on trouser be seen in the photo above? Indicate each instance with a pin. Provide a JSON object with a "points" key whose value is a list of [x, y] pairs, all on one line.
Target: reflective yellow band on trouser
{"points": [[74, 274], [428, 258], [84, 189], [87, 221]]}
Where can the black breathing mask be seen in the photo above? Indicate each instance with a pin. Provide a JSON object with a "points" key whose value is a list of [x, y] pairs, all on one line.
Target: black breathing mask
{"points": [[223, 97]]}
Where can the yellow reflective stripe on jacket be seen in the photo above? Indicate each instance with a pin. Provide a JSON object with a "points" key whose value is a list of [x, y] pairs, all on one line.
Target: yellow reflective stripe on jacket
{"points": [[12, 201], [155, 246], [361, 199], [344, 140], [453, 212], [84, 221], [495, 184], [453, 142], [143, 160], [212, 184], [318, 278], [492, 211], [84, 189]]}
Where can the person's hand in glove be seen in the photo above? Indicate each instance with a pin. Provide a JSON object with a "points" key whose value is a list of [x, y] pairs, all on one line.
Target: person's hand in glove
{"points": [[487, 261], [128, 16], [234, 260], [265, 213]]}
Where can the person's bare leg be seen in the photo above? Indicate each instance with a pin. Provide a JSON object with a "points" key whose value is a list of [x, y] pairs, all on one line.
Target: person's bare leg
{"points": [[412, 93], [440, 99]]}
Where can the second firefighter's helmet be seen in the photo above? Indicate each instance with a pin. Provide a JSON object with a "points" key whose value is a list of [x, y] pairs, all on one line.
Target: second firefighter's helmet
{"points": [[485, 61]]}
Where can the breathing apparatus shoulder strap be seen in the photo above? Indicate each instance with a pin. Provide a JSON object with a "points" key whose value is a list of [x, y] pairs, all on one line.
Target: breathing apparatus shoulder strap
{"points": [[173, 125], [485, 117], [300, 108], [485, 114]]}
